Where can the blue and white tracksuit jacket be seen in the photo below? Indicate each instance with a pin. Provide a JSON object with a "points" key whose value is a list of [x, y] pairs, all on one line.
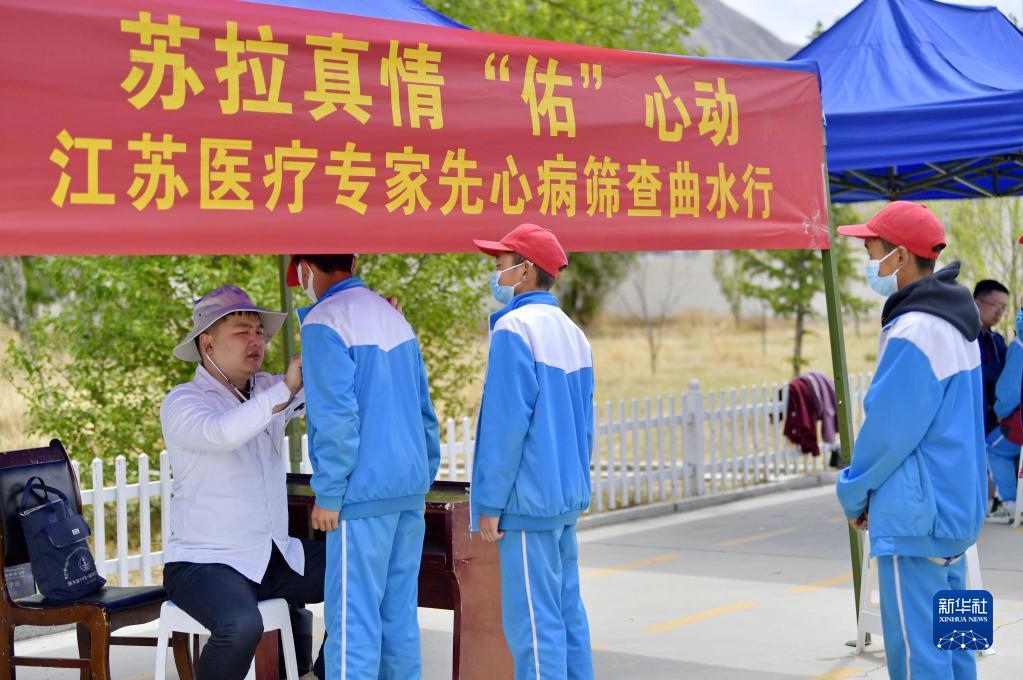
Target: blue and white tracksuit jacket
{"points": [[918, 469], [1003, 455], [532, 469], [374, 447]]}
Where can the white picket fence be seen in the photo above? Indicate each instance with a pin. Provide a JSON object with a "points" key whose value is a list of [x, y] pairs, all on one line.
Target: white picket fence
{"points": [[645, 451]]}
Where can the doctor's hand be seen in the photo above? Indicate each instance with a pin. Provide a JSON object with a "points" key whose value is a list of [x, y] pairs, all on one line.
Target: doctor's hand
{"points": [[488, 529], [393, 301], [293, 378], [323, 519]]}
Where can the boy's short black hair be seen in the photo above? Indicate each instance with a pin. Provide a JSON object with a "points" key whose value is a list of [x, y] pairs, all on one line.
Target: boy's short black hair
{"points": [[988, 286], [329, 263], [924, 263], [544, 280]]}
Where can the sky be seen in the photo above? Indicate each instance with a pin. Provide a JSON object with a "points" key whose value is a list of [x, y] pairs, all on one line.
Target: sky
{"points": [[794, 20]]}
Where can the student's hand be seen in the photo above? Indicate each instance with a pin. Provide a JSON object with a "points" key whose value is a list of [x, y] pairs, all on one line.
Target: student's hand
{"points": [[393, 301], [323, 519], [488, 529], [293, 378], [860, 523]]}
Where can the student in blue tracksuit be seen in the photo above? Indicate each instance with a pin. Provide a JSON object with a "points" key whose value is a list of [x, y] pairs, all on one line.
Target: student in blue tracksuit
{"points": [[531, 472], [374, 447], [918, 477], [1002, 454]]}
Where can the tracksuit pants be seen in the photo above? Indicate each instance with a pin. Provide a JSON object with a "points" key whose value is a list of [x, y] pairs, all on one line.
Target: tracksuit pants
{"points": [[908, 586], [371, 596], [542, 609], [1003, 461]]}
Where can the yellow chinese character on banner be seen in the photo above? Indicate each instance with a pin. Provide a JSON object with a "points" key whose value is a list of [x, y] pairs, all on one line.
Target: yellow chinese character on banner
{"points": [[720, 113], [461, 183], [656, 115], [753, 183], [644, 185], [158, 170], [296, 159], [405, 187], [548, 105], [418, 69], [235, 68], [349, 190], [223, 176], [336, 70], [721, 199], [557, 186], [59, 157], [684, 191], [603, 192], [158, 37], [501, 189]]}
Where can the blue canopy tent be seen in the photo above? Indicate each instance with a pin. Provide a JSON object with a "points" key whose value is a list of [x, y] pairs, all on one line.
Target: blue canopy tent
{"points": [[922, 100], [411, 11]]}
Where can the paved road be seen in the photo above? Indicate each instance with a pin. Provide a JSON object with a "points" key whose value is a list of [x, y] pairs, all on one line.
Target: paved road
{"points": [[755, 589]]}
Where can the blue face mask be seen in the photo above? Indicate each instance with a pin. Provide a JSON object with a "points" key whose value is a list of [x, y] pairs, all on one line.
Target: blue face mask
{"points": [[886, 286], [503, 294], [1019, 322]]}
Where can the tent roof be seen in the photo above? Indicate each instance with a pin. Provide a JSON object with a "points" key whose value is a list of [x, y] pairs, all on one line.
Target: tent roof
{"points": [[412, 11], [921, 100]]}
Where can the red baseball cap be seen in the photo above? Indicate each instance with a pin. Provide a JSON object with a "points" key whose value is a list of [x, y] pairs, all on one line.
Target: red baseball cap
{"points": [[292, 278], [903, 223], [538, 245]]}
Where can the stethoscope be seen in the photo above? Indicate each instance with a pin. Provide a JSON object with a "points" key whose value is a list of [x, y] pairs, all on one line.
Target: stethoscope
{"points": [[244, 396]]}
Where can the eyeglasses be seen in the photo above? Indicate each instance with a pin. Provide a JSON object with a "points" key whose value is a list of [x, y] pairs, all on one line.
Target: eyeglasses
{"points": [[1000, 306]]}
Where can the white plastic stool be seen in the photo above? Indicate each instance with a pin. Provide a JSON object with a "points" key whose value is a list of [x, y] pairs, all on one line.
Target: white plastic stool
{"points": [[275, 617], [869, 620]]}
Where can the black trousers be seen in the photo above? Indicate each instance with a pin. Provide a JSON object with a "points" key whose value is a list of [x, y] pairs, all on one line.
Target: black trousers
{"points": [[226, 603]]}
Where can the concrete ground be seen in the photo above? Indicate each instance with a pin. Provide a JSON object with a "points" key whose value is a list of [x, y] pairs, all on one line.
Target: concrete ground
{"points": [[759, 588]]}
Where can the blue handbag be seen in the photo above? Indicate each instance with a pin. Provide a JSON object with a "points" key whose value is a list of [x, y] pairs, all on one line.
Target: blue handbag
{"points": [[58, 544]]}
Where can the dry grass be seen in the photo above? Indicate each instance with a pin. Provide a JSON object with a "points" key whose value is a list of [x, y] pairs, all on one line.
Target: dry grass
{"points": [[707, 348], [710, 349]]}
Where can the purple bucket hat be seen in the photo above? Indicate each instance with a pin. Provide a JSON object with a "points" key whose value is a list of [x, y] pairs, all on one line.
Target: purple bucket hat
{"points": [[214, 306]]}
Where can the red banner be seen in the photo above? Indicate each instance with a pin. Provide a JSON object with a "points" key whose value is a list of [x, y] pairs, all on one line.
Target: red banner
{"points": [[206, 126]]}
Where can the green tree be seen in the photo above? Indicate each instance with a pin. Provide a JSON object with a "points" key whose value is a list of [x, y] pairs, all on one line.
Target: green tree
{"points": [[13, 303], [787, 281], [646, 25], [982, 234], [589, 279]]}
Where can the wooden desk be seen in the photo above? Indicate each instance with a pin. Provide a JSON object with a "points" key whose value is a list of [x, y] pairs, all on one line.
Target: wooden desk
{"points": [[456, 573]]}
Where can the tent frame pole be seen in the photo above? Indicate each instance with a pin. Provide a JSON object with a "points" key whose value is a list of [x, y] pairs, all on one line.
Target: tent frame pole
{"points": [[288, 338], [840, 368]]}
